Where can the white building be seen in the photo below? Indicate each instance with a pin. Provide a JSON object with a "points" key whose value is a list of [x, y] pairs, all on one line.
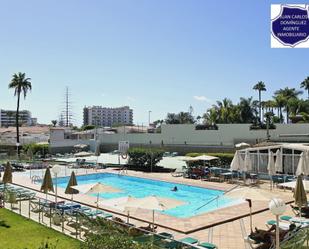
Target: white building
{"points": [[103, 116], [8, 118]]}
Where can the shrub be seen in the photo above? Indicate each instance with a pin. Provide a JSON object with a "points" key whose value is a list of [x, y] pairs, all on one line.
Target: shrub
{"points": [[36, 149], [142, 157], [111, 241]]}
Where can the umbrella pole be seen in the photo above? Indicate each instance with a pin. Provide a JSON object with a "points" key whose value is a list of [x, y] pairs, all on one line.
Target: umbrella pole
{"points": [[153, 214], [128, 218]]}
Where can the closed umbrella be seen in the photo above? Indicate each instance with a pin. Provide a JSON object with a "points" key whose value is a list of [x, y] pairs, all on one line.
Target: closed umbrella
{"points": [[271, 166], [47, 184], [72, 182], [7, 176], [278, 163], [237, 162], [300, 193], [247, 162], [153, 203], [302, 167]]}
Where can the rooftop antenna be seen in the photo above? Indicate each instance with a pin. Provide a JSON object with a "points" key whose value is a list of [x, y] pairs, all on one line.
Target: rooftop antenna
{"points": [[66, 115]]}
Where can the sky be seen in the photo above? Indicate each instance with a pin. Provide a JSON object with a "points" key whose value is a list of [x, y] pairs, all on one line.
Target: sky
{"points": [[153, 55]]}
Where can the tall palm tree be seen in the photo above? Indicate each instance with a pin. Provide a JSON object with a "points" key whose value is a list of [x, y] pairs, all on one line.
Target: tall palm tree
{"points": [[288, 93], [305, 85], [21, 85], [280, 101], [260, 87]]}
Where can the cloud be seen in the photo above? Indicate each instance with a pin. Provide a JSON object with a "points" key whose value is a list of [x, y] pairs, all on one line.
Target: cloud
{"points": [[129, 98], [202, 98]]}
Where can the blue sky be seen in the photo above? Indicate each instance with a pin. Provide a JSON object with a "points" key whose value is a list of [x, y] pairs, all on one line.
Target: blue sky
{"points": [[153, 55]]}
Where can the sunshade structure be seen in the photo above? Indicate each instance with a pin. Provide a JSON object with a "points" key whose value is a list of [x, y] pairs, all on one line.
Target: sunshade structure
{"points": [[278, 163], [47, 184], [96, 188], [300, 193], [303, 166], [119, 203], [237, 162], [200, 158], [83, 154], [7, 176], [72, 182], [247, 162], [153, 203], [248, 194], [242, 145]]}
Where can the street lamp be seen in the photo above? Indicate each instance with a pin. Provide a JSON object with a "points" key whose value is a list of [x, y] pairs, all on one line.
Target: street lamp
{"points": [[277, 207], [56, 170], [149, 118]]}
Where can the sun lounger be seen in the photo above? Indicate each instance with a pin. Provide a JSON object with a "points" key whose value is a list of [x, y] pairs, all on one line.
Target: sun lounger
{"points": [[189, 240], [282, 225], [207, 245]]}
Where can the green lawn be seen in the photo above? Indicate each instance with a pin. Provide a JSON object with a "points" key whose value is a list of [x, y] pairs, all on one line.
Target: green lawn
{"points": [[27, 234]]}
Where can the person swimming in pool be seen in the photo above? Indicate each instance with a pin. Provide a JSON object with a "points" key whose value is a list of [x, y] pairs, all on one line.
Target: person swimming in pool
{"points": [[174, 189]]}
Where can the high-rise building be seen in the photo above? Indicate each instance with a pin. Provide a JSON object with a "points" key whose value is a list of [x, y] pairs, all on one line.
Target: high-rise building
{"points": [[104, 116], [8, 118]]}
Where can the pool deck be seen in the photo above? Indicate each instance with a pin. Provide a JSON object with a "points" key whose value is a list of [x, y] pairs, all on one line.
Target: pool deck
{"points": [[225, 227]]}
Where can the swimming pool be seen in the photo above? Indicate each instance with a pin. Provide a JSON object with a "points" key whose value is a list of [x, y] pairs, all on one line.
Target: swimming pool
{"points": [[193, 197]]}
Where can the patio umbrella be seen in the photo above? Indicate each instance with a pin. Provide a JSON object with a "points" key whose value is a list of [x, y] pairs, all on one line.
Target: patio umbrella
{"points": [[153, 203], [96, 188], [248, 194], [7, 176], [237, 162], [247, 162], [278, 163], [119, 203], [47, 184], [271, 166], [302, 167], [72, 182], [300, 193]]}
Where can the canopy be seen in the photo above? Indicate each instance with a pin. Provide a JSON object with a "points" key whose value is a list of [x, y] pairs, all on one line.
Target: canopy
{"points": [[300, 193], [118, 203], [303, 167], [47, 184], [271, 164], [247, 162], [237, 162], [7, 176], [278, 163], [95, 188], [256, 194], [153, 203]]}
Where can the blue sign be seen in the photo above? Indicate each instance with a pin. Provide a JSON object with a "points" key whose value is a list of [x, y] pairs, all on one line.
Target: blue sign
{"points": [[291, 27]]}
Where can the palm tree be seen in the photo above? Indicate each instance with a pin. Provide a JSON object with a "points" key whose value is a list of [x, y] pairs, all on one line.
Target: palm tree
{"points": [[54, 123], [305, 85], [260, 87], [20, 84], [280, 101], [288, 93]]}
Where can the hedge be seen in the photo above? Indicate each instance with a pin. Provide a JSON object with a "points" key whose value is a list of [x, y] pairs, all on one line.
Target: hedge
{"points": [[145, 157]]}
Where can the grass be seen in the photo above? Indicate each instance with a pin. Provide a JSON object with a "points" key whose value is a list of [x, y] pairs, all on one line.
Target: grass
{"points": [[23, 233]]}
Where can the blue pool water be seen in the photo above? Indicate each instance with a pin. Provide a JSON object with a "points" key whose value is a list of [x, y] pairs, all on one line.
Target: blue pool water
{"points": [[193, 197]]}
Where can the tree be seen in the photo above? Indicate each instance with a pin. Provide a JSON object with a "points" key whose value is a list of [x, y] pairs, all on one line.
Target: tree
{"points": [[246, 110], [288, 93], [305, 85], [21, 84], [280, 102], [54, 123], [260, 87], [180, 118]]}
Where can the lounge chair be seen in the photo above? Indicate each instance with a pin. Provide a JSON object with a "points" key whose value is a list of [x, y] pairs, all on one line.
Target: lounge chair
{"points": [[207, 245], [282, 225], [189, 240]]}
